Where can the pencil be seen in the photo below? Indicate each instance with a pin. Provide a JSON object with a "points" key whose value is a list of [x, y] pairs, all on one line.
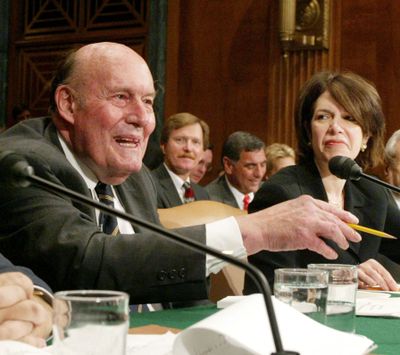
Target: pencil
{"points": [[371, 231]]}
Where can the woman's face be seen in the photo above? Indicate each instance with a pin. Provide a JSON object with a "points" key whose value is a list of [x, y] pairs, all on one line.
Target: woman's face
{"points": [[333, 131]]}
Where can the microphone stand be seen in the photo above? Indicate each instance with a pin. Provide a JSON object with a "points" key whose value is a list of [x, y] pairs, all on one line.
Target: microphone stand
{"points": [[257, 276], [380, 182]]}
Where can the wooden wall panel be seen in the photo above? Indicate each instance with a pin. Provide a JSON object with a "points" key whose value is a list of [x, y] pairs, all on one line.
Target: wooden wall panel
{"points": [[226, 65], [370, 47], [42, 31], [217, 65]]}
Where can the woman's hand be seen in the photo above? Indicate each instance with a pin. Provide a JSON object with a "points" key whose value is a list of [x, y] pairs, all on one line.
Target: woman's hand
{"points": [[371, 274]]}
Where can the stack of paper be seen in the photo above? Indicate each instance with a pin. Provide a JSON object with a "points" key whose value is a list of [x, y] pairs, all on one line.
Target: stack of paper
{"points": [[373, 304], [243, 328]]}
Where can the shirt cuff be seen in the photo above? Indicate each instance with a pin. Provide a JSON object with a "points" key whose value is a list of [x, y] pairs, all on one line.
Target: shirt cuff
{"points": [[223, 235]]}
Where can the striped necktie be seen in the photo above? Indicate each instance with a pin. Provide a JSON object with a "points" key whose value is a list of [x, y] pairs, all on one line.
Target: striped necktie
{"points": [[188, 195], [108, 223]]}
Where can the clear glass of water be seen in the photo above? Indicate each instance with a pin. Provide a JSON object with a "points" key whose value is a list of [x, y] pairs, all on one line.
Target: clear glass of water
{"points": [[90, 322], [304, 289], [342, 291]]}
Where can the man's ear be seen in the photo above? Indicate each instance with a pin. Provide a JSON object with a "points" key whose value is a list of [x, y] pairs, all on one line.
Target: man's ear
{"points": [[162, 146], [66, 103], [228, 165]]}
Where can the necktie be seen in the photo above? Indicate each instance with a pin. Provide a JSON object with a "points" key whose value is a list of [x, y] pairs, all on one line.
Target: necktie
{"points": [[188, 196], [108, 224], [246, 201]]}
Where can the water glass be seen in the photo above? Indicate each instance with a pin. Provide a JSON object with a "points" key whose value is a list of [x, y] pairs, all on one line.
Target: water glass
{"points": [[304, 289], [342, 291], [90, 322]]}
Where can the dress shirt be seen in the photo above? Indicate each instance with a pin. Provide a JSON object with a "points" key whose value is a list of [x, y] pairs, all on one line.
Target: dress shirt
{"points": [[222, 235], [178, 182], [238, 195]]}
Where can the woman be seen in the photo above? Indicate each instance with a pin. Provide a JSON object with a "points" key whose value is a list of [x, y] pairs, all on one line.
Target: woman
{"points": [[336, 114]]}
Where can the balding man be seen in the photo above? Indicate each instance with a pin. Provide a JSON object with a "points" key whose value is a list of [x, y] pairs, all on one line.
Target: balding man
{"points": [[102, 116]]}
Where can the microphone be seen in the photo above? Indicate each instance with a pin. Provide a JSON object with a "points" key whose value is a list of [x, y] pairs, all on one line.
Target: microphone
{"points": [[347, 168], [16, 172]]}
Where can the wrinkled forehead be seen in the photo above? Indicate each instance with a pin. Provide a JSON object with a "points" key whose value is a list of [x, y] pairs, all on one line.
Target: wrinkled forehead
{"points": [[114, 64]]}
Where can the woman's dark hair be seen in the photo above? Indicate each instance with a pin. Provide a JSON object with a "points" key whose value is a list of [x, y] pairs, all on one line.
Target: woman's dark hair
{"points": [[358, 97]]}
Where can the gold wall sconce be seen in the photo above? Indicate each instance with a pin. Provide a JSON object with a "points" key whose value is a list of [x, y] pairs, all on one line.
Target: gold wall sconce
{"points": [[304, 24]]}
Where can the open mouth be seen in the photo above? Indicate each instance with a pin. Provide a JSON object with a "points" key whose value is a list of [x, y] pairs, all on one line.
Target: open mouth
{"points": [[127, 142]]}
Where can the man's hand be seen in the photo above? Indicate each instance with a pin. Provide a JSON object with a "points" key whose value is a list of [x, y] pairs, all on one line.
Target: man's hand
{"points": [[22, 317], [298, 224]]}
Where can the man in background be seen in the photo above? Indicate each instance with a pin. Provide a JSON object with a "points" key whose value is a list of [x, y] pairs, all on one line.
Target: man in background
{"points": [[183, 139], [204, 166], [244, 163], [392, 163]]}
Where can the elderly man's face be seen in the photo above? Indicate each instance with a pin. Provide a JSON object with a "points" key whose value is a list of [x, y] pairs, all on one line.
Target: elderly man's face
{"points": [[114, 114]]}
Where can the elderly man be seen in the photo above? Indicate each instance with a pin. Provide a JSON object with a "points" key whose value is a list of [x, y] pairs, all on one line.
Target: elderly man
{"points": [[183, 139], [102, 115], [244, 162]]}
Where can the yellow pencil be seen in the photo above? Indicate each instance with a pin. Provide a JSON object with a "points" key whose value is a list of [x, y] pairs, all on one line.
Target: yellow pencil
{"points": [[371, 231]]}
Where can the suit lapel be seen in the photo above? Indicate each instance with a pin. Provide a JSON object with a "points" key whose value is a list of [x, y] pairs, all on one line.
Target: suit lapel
{"points": [[168, 186], [227, 194]]}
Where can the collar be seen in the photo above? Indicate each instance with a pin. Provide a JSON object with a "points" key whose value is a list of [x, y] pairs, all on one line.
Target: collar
{"points": [[177, 180], [87, 175], [237, 194]]}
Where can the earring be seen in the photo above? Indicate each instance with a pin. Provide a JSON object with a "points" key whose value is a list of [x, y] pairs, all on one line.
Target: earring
{"points": [[363, 147]]}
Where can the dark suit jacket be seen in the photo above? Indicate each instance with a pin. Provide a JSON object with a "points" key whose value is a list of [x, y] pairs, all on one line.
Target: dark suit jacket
{"points": [[219, 191], [167, 196], [60, 240], [372, 204], [7, 266]]}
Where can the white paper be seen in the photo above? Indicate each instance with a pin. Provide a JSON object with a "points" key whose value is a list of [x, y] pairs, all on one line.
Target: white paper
{"points": [[378, 307], [243, 328]]}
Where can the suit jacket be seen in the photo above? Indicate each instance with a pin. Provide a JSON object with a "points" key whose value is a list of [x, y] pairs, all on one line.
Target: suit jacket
{"points": [[60, 241], [167, 196], [7, 266], [220, 191], [371, 203]]}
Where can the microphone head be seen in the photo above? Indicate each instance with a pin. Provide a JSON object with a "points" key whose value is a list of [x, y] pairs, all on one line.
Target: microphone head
{"points": [[14, 169], [345, 168]]}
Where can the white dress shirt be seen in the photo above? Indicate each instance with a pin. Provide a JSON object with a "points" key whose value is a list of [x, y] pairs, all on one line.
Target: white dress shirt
{"points": [[222, 235], [238, 195]]}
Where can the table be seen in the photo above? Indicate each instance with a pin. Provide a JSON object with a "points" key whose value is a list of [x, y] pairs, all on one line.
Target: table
{"points": [[383, 331]]}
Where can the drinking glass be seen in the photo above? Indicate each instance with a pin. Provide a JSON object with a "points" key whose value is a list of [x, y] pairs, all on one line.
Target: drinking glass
{"points": [[90, 322], [342, 291], [304, 289]]}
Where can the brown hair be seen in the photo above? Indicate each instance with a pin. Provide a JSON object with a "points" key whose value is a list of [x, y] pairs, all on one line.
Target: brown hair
{"points": [[358, 97], [184, 119]]}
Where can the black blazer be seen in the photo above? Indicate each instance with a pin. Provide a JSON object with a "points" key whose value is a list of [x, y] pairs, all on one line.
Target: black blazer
{"points": [[167, 196], [60, 241], [7, 266], [372, 204]]}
